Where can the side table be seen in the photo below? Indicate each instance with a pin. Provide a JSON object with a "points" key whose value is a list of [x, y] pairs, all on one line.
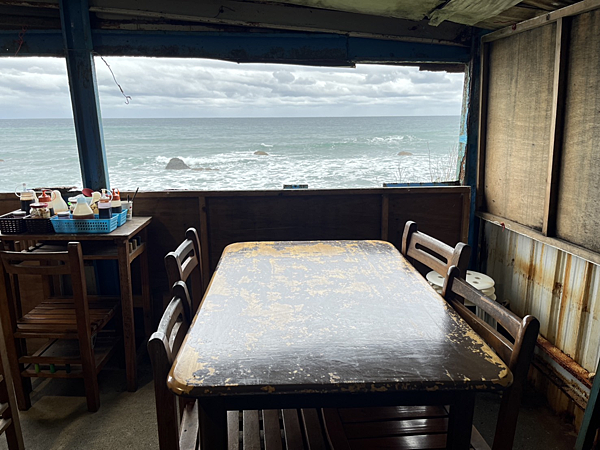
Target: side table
{"points": [[112, 246]]}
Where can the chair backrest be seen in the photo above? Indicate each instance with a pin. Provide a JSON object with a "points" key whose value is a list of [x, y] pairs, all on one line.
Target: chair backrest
{"points": [[434, 253], [516, 353], [162, 348], [184, 262], [48, 264]]}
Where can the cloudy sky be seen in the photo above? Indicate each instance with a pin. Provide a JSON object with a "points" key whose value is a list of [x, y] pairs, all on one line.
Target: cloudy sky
{"points": [[38, 88]]}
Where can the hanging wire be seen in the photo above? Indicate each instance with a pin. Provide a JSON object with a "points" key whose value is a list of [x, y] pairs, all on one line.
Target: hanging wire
{"points": [[21, 41], [127, 97]]}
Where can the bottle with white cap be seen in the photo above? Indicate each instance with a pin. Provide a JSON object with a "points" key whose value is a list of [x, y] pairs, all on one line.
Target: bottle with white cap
{"points": [[27, 197]]}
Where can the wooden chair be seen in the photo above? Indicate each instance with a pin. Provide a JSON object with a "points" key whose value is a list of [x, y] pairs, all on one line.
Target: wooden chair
{"points": [[434, 254], [184, 262], [178, 418], [10, 424], [76, 343], [426, 426]]}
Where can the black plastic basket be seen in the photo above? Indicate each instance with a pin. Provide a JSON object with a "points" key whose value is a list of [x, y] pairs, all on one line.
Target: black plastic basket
{"points": [[38, 226], [11, 225]]}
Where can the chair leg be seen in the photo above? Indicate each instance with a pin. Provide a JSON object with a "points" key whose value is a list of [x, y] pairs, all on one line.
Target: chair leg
{"points": [[14, 347], [22, 384], [22, 390], [90, 377], [14, 436]]}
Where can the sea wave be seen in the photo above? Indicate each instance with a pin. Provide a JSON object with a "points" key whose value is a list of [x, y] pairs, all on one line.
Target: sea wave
{"points": [[189, 160], [395, 140], [325, 153]]}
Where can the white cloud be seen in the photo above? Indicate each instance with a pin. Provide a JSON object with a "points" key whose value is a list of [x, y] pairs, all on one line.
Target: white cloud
{"points": [[38, 88], [284, 76]]}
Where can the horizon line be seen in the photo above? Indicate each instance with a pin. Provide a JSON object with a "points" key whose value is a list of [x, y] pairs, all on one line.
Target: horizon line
{"points": [[238, 117]]}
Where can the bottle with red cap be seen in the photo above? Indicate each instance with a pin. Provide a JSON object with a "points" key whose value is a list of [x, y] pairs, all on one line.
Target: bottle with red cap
{"points": [[45, 198], [105, 205], [116, 201]]}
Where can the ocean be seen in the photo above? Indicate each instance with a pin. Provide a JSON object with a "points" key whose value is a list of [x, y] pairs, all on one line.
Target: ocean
{"points": [[237, 153]]}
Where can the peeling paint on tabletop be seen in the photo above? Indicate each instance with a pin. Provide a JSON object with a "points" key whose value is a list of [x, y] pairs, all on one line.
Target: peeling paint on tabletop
{"points": [[328, 316]]}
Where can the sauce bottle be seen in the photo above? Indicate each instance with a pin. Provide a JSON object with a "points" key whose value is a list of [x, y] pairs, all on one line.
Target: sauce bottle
{"points": [[95, 199], [116, 201], [27, 197], [105, 206], [45, 198], [82, 210]]}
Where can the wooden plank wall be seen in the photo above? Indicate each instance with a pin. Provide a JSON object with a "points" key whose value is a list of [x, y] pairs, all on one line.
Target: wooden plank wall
{"points": [[226, 217], [538, 158], [578, 218], [518, 125]]}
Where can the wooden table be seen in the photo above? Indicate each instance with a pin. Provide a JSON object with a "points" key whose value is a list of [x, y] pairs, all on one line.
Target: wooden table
{"points": [[115, 246], [329, 323]]}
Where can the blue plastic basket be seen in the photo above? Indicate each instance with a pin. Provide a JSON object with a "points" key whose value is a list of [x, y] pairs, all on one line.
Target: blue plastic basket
{"points": [[122, 217], [66, 226]]}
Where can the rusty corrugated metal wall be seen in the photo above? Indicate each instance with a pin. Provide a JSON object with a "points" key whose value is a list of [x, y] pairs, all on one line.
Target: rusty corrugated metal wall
{"points": [[560, 289]]}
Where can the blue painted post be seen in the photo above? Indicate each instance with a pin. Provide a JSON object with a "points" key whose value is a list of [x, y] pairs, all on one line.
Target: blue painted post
{"points": [[591, 417], [77, 37], [468, 141]]}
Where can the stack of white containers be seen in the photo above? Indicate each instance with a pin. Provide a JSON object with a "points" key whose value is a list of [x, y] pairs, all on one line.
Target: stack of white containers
{"points": [[478, 280]]}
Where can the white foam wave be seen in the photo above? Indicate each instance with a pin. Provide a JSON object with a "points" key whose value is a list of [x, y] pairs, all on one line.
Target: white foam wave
{"points": [[190, 161], [394, 140]]}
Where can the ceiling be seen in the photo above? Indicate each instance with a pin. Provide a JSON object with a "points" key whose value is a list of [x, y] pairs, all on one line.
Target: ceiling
{"points": [[434, 21]]}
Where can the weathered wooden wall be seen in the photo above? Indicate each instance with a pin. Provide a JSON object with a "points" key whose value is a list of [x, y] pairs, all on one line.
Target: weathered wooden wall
{"points": [[540, 128], [518, 125], [226, 217], [540, 180], [579, 192]]}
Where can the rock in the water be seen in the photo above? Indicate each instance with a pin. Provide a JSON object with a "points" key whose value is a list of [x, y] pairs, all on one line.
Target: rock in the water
{"points": [[261, 153], [203, 168], [176, 164], [405, 154]]}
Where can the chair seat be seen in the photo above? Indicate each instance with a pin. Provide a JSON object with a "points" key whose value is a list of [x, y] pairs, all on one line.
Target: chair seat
{"points": [[273, 429], [56, 318], [394, 427]]}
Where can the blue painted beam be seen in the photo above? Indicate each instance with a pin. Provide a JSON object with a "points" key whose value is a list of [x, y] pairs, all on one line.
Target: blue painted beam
{"points": [[380, 50], [78, 49], [272, 47], [35, 43]]}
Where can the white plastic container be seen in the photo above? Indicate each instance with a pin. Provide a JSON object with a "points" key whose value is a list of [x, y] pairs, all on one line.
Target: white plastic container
{"points": [[82, 210]]}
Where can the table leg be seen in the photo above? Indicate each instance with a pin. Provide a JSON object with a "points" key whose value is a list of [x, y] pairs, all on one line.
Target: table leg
{"points": [[128, 317], [460, 422], [145, 279], [213, 426]]}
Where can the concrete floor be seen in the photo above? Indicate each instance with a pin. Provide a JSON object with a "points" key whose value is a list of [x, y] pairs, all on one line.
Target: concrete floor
{"points": [[58, 418], [538, 427]]}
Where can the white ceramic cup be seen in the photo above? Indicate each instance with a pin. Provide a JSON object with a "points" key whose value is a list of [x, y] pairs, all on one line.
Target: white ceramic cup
{"points": [[129, 207]]}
